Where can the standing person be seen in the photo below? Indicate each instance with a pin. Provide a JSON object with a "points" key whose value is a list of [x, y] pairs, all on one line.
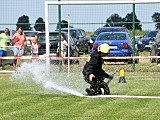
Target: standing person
{"points": [[4, 41], [94, 74], [19, 43], [64, 46], [34, 46]]}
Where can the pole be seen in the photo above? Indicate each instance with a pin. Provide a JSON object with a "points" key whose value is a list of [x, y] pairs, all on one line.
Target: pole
{"points": [[47, 39], [59, 27], [133, 35], [68, 45]]}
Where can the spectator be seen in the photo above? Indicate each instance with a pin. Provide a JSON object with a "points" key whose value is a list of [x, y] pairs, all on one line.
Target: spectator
{"points": [[64, 46], [4, 41], [34, 46], [19, 43]]}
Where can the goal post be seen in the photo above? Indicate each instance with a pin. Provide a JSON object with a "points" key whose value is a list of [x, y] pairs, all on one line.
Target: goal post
{"points": [[83, 3], [47, 3]]}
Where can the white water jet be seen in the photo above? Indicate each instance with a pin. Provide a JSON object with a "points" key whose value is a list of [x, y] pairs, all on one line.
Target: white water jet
{"points": [[38, 73]]}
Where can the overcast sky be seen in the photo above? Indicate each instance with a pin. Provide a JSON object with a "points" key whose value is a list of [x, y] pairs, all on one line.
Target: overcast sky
{"points": [[11, 10]]}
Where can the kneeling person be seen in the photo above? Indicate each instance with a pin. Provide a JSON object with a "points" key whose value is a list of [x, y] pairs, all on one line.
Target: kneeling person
{"points": [[94, 74]]}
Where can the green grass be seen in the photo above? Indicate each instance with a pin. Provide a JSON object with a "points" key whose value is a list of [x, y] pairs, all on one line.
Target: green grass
{"points": [[28, 101], [19, 102]]}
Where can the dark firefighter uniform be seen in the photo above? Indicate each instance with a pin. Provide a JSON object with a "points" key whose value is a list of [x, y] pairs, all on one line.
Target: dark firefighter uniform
{"points": [[94, 66]]}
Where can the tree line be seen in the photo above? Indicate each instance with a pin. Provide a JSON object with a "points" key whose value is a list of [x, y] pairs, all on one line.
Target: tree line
{"points": [[114, 20], [23, 22]]}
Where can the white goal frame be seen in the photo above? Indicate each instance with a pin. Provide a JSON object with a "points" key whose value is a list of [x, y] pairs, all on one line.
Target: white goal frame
{"points": [[47, 3]]}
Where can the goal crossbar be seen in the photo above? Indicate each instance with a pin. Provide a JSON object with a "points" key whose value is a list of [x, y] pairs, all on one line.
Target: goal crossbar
{"points": [[101, 2]]}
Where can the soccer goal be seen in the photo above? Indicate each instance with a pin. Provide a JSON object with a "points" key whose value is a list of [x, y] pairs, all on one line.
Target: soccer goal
{"points": [[90, 15], [82, 16]]}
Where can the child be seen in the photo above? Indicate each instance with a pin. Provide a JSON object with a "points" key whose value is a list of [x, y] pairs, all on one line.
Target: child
{"points": [[34, 46], [64, 46], [94, 74]]}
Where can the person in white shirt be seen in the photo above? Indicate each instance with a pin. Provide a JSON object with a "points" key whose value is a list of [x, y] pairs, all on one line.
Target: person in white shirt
{"points": [[64, 46], [34, 46]]}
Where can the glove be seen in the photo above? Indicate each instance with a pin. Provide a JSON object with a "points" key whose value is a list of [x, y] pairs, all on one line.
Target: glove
{"points": [[110, 77]]}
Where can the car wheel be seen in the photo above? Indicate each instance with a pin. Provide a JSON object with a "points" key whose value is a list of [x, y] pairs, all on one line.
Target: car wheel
{"points": [[136, 60], [129, 62]]}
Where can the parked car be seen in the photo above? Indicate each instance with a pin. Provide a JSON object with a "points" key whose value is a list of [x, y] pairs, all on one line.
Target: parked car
{"points": [[148, 38], [120, 45], [80, 37], [107, 29], [54, 39], [139, 45], [155, 49]]}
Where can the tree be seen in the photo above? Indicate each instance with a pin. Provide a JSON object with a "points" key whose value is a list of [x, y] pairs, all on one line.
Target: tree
{"points": [[39, 24], [113, 20], [128, 22], [156, 18], [64, 24], [23, 22]]}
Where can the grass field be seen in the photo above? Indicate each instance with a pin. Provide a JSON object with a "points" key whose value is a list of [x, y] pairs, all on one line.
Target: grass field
{"points": [[25, 100]]}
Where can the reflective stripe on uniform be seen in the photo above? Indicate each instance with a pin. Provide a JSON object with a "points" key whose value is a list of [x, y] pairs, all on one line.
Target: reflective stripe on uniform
{"points": [[102, 90], [88, 59]]}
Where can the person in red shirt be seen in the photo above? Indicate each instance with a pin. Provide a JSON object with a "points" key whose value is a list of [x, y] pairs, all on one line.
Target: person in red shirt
{"points": [[19, 43]]}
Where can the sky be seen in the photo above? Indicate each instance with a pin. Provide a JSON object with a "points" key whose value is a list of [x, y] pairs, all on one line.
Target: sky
{"points": [[11, 10]]}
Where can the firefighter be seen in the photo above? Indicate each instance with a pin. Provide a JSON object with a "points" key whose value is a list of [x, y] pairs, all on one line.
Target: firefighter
{"points": [[94, 74]]}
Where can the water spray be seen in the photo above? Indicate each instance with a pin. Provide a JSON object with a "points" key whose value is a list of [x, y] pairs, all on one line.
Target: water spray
{"points": [[36, 71]]}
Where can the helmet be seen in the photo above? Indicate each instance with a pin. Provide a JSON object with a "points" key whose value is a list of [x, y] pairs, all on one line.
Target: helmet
{"points": [[104, 48]]}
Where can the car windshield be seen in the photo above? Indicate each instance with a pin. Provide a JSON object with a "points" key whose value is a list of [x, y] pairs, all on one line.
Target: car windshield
{"points": [[30, 34], [151, 34], [112, 36], [72, 33], [52, 37], [97, 32]]}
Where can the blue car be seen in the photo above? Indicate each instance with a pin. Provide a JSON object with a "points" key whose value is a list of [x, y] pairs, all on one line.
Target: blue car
{"points": [[120, 45]]}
